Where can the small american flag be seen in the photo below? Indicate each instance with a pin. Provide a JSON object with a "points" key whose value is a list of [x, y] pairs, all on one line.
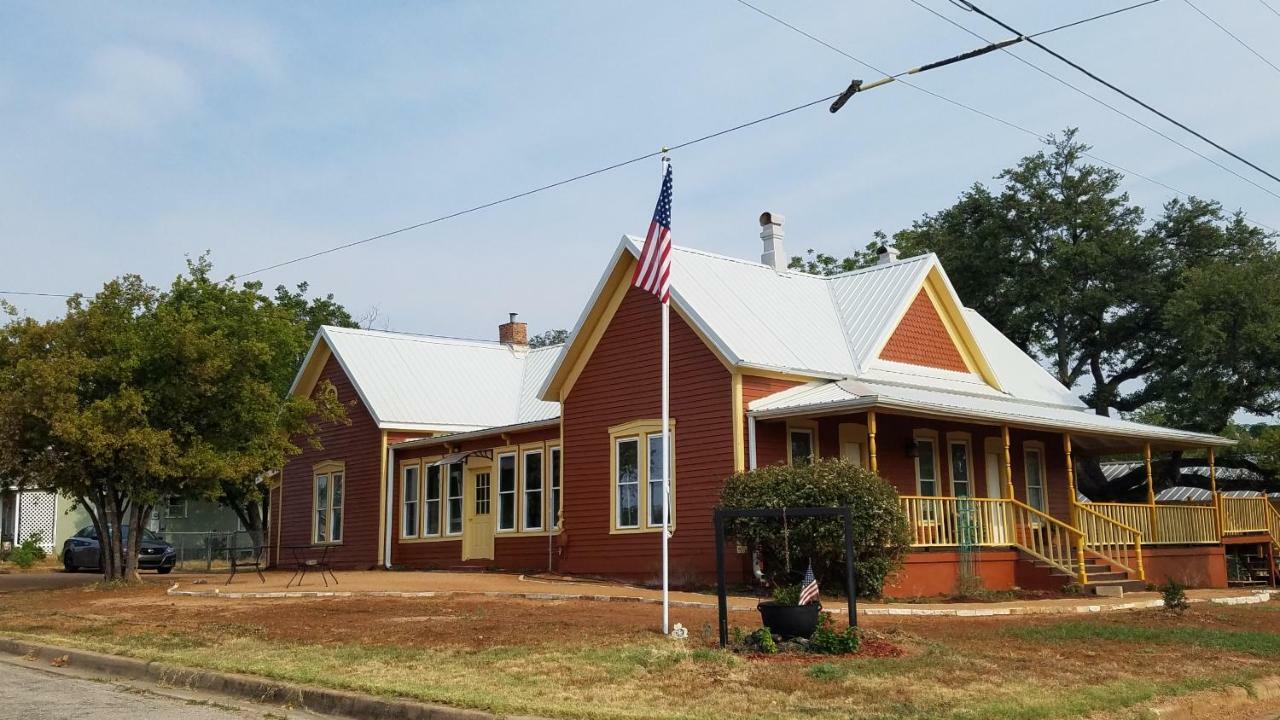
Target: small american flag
{"points": [[808, 587], [653, 272]]}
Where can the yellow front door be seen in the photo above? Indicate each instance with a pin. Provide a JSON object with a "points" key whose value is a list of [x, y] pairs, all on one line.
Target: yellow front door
{"points": [[477, 532]]}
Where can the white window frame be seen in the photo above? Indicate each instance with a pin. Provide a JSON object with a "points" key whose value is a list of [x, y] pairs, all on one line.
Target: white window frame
{"points": [[334, 474], [930, 438], [438, 513], [1029, 448], [449, 517], [555, 470], [525, 491], [650, 482], [809, 429], [637, 481], [960, 440], [169, 514], [499, 517], [405, 503]]}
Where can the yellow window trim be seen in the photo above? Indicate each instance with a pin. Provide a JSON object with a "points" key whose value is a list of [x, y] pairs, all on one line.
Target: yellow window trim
{"points": [[422, 498], [638, 430], [328, 468], [809, 426]]}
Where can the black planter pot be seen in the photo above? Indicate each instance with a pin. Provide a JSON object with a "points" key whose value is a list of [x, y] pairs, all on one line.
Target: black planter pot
{"points": [[790, 621]]}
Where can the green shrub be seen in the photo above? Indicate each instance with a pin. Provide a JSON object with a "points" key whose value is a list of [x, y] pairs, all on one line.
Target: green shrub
{"points": [[28, 553], [829, 641], [881, 537], [762, 640], [787, 595], [1175, 597]]}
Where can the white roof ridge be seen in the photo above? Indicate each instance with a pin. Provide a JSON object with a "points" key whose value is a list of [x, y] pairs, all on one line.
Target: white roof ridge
{"points": [[419, 337], [878, 266]]}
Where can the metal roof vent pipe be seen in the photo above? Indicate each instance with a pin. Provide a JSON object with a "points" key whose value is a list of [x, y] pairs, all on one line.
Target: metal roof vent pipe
{"points": [[886, 254], [774, 255]]}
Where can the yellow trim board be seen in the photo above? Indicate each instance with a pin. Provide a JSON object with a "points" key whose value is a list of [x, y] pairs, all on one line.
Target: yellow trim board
{"points": [[311, 374], [739, 444]]}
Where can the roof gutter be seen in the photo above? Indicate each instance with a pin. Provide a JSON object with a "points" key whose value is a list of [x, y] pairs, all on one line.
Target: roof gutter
{"points": [[870, 401]]}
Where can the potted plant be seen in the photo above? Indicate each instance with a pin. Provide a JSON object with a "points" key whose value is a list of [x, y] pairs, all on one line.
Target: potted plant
{"points": [[786, 617]]}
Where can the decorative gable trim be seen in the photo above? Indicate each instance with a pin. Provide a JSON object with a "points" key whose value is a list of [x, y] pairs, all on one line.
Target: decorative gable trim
{"points": [[921, 338], [937, 290]]}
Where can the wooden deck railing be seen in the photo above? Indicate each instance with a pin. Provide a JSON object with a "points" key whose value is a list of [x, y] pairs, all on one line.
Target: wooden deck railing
{"points": [[1114, 542], [1173, 524], [1246, 515], [947, 521], [951, 522]]}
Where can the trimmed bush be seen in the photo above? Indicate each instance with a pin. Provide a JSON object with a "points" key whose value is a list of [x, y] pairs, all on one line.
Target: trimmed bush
{"points": [[881, 537], [28, 553]]}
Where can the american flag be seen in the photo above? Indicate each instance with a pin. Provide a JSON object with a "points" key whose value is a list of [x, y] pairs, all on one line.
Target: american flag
{"points": [[808, 587], [653, 272]]}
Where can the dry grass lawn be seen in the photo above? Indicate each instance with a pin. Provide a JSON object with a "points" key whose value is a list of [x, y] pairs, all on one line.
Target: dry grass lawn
{"points": [[598, 660]]}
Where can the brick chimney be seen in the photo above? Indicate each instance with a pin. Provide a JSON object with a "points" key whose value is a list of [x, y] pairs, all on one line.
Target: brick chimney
{"points": [[513, 333], [774, 255]]}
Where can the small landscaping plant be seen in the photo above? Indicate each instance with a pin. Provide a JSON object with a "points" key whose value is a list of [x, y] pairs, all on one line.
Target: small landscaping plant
{"points": [[827, 640], [28, 553], [1175, 597], [787, 595]]}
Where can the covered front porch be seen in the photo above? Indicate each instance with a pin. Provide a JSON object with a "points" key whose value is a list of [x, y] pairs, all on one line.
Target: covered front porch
{"points": [[970, 485]]}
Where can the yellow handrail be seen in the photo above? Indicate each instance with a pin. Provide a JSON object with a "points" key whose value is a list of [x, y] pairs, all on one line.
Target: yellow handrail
{"points": [[945, 521], [1047, 538], [1273, 521], [1180, 524], [1110, 540]]}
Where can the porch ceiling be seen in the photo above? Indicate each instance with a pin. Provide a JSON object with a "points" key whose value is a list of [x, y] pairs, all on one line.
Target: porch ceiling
{"points": [[1093, 433]]}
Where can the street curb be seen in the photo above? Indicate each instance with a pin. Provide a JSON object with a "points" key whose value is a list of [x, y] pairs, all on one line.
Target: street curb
{"points": [[247, 687], [1248, 598]]}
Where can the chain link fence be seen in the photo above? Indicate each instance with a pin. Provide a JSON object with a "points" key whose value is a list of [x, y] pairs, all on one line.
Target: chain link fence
{"points": [[209, 550]]}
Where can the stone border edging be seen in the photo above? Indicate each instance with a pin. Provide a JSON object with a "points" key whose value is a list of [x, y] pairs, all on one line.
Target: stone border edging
{"points": [[247, 687], [1254, 597]]}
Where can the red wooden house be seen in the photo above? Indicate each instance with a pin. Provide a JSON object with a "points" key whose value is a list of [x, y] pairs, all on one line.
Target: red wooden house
{"points": [[464, 453]]}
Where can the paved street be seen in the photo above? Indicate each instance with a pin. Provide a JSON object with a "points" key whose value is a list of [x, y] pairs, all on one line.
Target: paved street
{"points": [[34, 694], [50, 580]]}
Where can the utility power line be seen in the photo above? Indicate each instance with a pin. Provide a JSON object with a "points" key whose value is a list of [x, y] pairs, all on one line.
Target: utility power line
{"points": [[34, 294], [1114, 88], [1232, 35], [1267, 5], [1105, 104], [1008, 123]]}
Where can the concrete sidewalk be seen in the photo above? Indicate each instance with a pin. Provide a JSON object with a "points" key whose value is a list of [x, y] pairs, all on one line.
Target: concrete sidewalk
{"points": [[376, 583]]}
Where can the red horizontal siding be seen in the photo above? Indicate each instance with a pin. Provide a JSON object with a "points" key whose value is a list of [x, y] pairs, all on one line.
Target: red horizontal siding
{"points": [[620, 382], [358, 445]]}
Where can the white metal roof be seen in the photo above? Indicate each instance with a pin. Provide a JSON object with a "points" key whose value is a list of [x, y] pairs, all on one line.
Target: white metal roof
{"points": [[833, 396], [425, 382]]}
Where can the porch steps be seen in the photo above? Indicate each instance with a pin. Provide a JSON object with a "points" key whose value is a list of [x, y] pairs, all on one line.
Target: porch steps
{"points": [[1099, 574]]}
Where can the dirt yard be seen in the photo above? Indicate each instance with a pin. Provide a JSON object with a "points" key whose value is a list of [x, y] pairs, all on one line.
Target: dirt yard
{"points": [[578, 659]]}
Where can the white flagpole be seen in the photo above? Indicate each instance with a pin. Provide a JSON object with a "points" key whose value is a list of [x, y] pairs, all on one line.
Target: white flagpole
{"points": [[666, 452], [666, 462]]}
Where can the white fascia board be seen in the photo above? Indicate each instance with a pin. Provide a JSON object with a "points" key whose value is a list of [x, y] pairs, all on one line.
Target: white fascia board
{"points": [[476, 432]]}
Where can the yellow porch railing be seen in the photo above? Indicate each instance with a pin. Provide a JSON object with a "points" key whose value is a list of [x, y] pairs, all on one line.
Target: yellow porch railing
{"points": [[948, 521], [951, 522], [1115, 542], [1173, 524], [1246, 515]]}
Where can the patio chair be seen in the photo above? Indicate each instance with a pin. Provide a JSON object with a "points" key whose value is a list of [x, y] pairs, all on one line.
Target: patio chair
{"points": [[252, 559]]}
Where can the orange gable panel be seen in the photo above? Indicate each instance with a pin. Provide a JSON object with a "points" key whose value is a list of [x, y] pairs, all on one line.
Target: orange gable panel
{"points": [[922, 339]]}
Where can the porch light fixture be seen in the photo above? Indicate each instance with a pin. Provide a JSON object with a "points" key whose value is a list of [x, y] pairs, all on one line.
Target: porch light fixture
{"points": [[913, 449]]}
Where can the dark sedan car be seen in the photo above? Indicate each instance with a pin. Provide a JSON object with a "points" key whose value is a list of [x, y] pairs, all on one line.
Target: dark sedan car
{"points": [[82, 552]]}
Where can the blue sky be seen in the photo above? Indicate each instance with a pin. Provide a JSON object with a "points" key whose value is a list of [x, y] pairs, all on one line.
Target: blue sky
{"points": [[136, 135]]}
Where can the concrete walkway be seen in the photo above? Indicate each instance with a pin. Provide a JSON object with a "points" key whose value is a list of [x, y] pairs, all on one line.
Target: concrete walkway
{"points": [[487, 584]]}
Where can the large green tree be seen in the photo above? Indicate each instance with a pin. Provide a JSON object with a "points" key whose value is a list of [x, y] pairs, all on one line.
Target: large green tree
{"points": [[138, 394]]}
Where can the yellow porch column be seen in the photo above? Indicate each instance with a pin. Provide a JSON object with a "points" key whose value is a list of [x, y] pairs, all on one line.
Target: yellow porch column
{"points": [[1071, 479], [1217, 503], [871, 441], [1151, 489]]}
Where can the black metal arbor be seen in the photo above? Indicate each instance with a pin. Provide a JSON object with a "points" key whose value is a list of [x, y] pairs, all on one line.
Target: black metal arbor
{"points": [[721, 514]]}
